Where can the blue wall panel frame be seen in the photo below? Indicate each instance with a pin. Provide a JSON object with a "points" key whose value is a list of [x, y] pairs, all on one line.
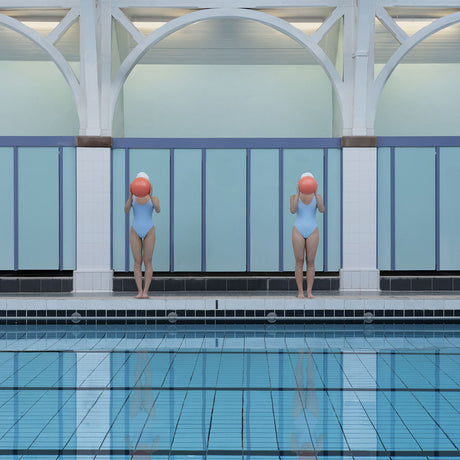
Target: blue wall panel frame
{"points": [[38, 205], [263, 210], [187, 210], [69, 208], [384, 213], [415, 215], [226, 209], [7, 204], [333, 210], [449, 208], [296, 162], [156, 163], [119, 235]]}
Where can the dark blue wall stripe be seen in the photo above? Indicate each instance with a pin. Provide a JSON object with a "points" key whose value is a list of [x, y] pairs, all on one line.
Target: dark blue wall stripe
{"points": [[37, 141], [418, 141], [61, 208], [230, 143], [280, 209], [437, 206], [392, 200], [16, 207], [203, 210], [171, 209], [325, 185], [248, 209], [126, 215]]}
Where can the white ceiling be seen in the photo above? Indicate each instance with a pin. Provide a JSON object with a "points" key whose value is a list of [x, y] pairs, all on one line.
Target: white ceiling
{"points": [[234, 41]]}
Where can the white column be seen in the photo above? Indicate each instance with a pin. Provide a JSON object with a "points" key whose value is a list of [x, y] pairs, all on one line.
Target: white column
{"points": [[359, 264], [93, 271], [89, 70], [359, 269]]}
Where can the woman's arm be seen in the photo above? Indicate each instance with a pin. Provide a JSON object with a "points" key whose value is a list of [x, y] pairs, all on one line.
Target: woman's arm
{"points": [[319, 202], [129, 203], [155, 201], [294, 201]]}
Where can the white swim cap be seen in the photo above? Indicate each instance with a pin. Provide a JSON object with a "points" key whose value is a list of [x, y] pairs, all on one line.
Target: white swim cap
{"points": [[307, 174], [144, 175]]}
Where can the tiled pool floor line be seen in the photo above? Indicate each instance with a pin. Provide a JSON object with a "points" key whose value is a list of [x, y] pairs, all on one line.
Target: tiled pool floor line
{"points": [[272, 307], [230, 391]]}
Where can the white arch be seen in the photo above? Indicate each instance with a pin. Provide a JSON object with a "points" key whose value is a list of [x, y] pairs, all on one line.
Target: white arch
{"points": [[396, 58], [55, 55], [176, 24]]}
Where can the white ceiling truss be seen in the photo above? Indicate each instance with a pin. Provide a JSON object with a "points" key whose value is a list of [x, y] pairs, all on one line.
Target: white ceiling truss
{"points": [[97, 89]]}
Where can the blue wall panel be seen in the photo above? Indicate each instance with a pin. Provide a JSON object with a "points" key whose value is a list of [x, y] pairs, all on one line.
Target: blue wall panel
{"points": [[38, 198], [7, 207], [449, 213], [226, 210], [264, 207], [384, 208], [118, 203], [296, 162], [187, 210], [69, 208], [333, 210], [155, 162], [415, 208]]}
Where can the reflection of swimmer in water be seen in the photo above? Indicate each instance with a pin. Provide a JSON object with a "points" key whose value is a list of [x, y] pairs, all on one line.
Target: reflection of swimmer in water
{"points": [[307, 438], [140, 439]]}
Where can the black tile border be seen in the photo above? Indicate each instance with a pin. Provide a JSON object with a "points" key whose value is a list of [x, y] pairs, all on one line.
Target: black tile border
{"points": [[200, 316], [420, 283], [53, 285]]}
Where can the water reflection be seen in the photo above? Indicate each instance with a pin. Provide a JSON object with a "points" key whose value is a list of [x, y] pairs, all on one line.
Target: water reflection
{"points": [[248, 395], [141, 439], [308, 438]]}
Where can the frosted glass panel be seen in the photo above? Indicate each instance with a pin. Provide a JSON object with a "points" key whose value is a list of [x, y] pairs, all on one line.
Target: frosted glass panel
{"points": [[118, 214], [187, 210], [226, 210], [449, 213], [69, 211], [155, 162], [415, 208], [296, 162], [264, 207], [7, 207], [384, 208], [333, 210], [38, 199]]}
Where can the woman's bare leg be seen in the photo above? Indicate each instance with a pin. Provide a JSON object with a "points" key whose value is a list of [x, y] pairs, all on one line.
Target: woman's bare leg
{"points": [[136, 249], [298, 244], [149, 245], [312, 246]]}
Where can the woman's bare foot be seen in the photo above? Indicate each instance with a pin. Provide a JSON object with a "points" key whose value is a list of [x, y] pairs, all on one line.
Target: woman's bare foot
{"points": [[145, 295], [139, 296], [300, 295], [310, 296]]}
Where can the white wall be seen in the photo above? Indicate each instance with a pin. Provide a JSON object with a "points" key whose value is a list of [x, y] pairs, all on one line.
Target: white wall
{"points": [[227, 101], [420, 100], [35, 101]]}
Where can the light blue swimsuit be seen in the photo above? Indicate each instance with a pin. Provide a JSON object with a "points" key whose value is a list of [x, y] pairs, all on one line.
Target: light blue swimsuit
{"points": [[142, 222], [305, 221]]}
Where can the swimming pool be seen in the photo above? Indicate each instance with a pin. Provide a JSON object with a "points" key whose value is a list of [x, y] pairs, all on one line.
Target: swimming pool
{"points": [[230, 391]]}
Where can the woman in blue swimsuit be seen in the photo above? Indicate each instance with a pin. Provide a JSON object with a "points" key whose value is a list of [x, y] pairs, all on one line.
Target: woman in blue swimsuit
{"points": [[305, 236], [142, 237]]}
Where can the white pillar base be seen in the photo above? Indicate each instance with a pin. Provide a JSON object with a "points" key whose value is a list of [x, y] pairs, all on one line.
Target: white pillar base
{"points": [[359, 279], [92, 280]]}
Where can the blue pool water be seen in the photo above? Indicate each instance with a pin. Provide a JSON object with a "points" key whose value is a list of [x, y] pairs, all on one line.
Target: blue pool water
{"points": [[230, 392]]}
